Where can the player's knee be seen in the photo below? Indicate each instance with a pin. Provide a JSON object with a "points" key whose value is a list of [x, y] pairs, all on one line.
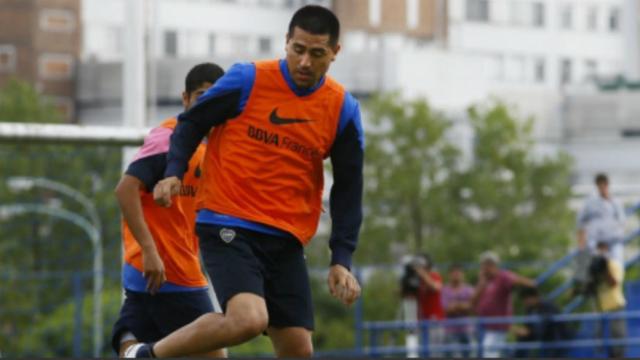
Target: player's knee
{"points": [[304, 351], [252, 322]]}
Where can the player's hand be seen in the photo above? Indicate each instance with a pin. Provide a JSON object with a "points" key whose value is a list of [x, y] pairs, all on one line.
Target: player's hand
{"points": [[343, 285], [165, 189], [153, 270]]}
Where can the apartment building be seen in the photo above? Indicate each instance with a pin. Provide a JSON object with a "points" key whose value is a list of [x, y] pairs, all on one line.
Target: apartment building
{"points": [[40, 43]]}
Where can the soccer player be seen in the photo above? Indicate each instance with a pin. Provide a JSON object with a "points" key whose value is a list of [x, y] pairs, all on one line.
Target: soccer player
{"points": [[165, 287], [260, 196]]}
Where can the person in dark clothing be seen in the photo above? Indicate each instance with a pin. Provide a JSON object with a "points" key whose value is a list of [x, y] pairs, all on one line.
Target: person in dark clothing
{"points": [[544, 330]]}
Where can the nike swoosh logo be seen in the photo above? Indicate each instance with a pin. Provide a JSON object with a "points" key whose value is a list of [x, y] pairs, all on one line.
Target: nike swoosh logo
{"points": [[277, 120]]}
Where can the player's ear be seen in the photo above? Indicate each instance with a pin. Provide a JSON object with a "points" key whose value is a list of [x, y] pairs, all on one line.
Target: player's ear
{"points": [[286, 41], [336, 50], [185, 100]]}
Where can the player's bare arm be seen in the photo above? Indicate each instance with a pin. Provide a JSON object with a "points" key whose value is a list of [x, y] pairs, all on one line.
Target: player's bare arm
{"points": [[127, 193]]}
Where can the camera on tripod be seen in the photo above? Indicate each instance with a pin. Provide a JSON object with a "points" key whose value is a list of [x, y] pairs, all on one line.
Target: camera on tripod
{"points": [[597, 271], [410, 281]]}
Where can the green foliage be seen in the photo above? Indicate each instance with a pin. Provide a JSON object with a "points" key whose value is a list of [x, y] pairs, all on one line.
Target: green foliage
{"points": [[259, 346], [20, 102], [36, 244], [334, 321], [408, 160], [51, 335], [509, 200], [381, 294], [421, 194]]}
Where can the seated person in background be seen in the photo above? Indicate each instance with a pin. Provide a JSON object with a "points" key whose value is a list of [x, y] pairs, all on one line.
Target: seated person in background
{"points": [[544, 330]]}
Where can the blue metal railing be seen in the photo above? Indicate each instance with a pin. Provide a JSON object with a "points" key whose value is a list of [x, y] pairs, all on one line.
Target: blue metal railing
{"points": [[579, 300], [566, 260], [558, 265], [376, 329], [555, 293]]}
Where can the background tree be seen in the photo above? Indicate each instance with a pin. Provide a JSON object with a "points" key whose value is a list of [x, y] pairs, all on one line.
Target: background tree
{"points": [[408, 162], [39, 254], [422, 193], [510, 199]]}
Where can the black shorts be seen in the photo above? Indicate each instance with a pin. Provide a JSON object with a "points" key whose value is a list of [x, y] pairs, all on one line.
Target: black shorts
{"points": [[273, 267], [152, 317]]}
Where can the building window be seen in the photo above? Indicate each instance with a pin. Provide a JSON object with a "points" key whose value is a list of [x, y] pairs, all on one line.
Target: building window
{"points": [[171, 43], [565, 71], [614, 20], [264, 45], [375, 12], [477, 10], [57, 20], [567, 17], [539, 71], [592, 19], [7, 58], [212, 44], [56, 66], [538, 14]]}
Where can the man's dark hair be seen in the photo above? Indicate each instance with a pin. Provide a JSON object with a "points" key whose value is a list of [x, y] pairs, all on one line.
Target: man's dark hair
{"points": [[316, 20], [601, 178], [529, 292], [200, 74]]}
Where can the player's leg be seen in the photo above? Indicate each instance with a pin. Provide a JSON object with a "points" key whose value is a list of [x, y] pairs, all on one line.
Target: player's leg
{"points": [[134, 323], [288, 297], [177, 309], [124, 345], [291, 342], [236, 275], [246, 318]]}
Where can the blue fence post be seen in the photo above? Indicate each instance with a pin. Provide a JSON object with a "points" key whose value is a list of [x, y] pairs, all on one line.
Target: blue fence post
{"points": [[480, 338], [359, 316], [606, 335], [78, 296], [373, 341], [424, 338]]}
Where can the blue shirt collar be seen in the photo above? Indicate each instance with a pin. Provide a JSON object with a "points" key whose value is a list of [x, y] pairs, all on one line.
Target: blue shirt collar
{"points": [[298, 90]]}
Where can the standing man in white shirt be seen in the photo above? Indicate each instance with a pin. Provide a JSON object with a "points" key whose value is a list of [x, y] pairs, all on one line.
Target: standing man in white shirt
{"points": [[601, 219]]}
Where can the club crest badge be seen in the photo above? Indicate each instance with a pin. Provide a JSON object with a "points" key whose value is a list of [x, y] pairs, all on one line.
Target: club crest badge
{"points": [[227, 235]]}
